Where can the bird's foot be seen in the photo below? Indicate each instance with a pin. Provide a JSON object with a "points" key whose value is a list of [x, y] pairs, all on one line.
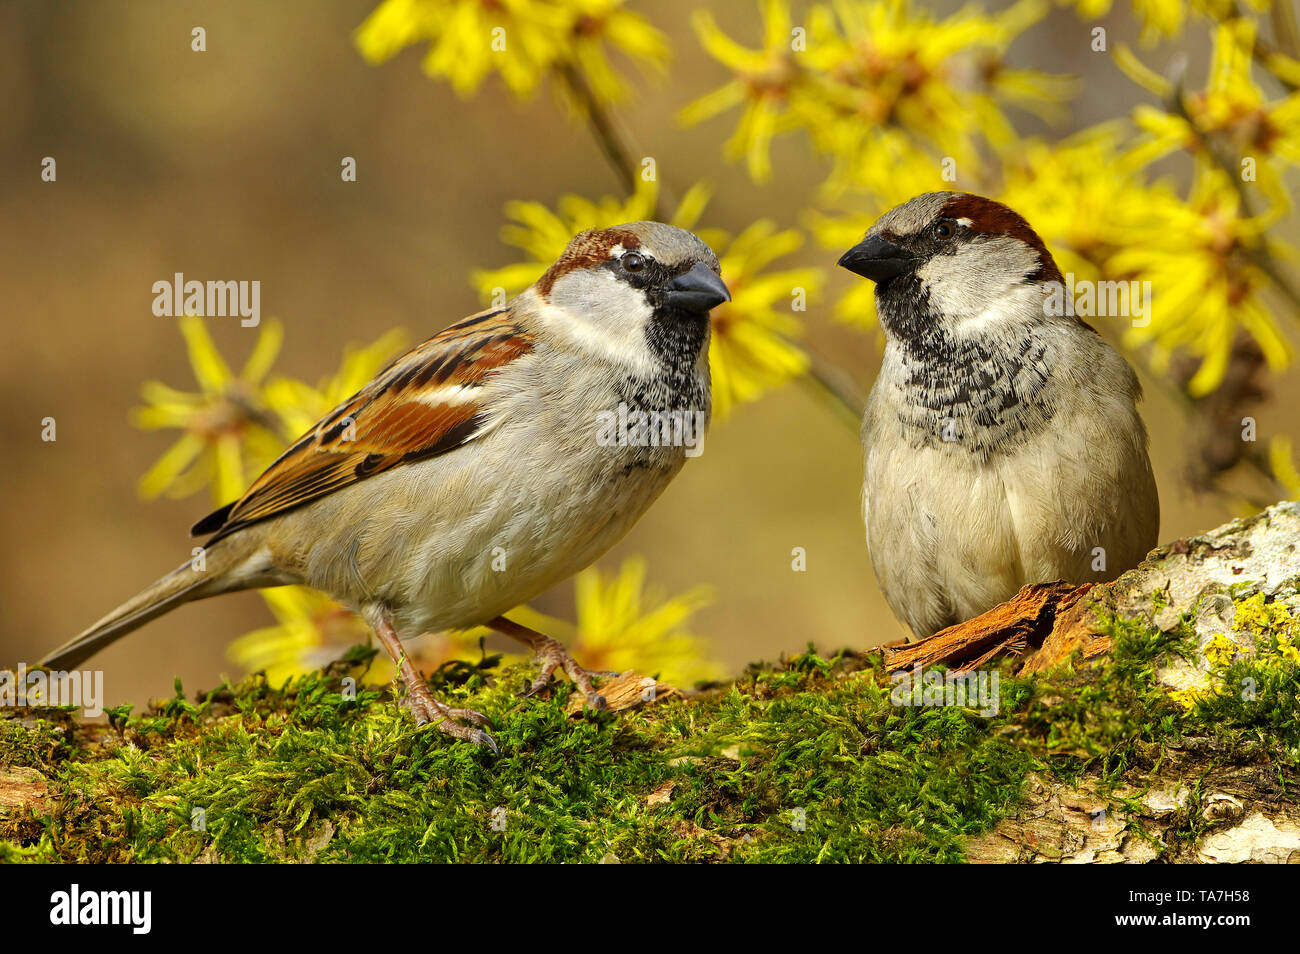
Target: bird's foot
{"points": [[552, 655], [458, 723], [420, 700]]}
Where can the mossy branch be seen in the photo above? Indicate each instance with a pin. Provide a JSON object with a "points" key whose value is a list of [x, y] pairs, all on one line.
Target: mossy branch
{"points": [[815, 758]]}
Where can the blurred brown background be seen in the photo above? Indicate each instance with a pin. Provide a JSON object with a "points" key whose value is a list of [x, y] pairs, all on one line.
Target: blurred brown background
{"points": [[225, 164]]}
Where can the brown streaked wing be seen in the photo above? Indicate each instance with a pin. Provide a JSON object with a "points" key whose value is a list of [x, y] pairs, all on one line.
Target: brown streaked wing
{"points": [[421, 405]]}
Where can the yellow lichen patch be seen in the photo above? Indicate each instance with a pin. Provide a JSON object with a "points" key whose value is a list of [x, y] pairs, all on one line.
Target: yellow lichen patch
{"points": [[1220, 651]]}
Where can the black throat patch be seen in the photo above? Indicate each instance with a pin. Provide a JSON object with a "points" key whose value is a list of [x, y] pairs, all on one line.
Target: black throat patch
{"points": [[675, 339], [982, 395]]}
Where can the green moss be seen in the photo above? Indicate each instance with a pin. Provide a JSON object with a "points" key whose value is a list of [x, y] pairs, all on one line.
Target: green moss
{"points": [[806, 760]]}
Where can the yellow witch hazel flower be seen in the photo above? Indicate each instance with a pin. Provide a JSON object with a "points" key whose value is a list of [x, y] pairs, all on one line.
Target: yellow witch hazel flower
{"points": [[901, 172], [1159, 18], [544, 234], [751, 352], [599, 21], [1231, 108], [227, 428], [862, 68], [766, 82], [887, 64], [624, 624], [1281, 462], [1077, 212], [521, 40], [857, 306], [1166, 18], [1204, 285]]}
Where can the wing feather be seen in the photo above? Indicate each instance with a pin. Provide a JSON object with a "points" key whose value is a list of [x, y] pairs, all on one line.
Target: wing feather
{"points": [[427, 402]]}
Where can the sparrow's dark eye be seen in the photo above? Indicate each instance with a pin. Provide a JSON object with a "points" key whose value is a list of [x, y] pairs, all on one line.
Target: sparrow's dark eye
{"points": [[944, 230], [633, 261]]}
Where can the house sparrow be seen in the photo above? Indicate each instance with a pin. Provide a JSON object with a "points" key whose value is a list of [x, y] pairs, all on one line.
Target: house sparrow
{"points": [[468, 477], [1002, 440]]}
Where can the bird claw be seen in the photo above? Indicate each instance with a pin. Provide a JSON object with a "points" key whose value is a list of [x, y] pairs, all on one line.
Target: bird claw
{"points": [[468, 733], [594, 699], [427, 710], [554, 656], [469, 715], [479, 737]]}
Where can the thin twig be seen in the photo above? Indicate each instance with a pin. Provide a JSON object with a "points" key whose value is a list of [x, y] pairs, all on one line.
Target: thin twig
{"points": [[828, 380], [1284, 29], [603, 127]]}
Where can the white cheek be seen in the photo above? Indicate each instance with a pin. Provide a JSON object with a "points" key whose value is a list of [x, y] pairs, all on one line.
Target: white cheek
{"points": [[603, 317], [1017, 306], [981, 288]]}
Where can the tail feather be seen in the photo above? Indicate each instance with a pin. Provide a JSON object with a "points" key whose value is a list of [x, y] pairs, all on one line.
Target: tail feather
{"points": [[182, 585]]}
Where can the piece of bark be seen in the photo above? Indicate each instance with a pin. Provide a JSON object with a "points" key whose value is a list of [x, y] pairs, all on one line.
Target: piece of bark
{"points": [[21, 786], [1011, 628], [1176, 580], [1064, 824], [627, 690], [1244, 813], [1050, 623], [1077, 629], [661, 795], [1257, 839]]}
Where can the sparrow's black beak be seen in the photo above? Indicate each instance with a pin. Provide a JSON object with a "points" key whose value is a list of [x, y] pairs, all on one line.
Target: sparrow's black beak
{"points": [[697, 290], [877, 258]]}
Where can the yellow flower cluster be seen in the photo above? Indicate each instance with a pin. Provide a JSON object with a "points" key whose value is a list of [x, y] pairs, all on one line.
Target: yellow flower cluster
{"points": [[1166, 18], [523, 41], [1204, 254], [227, 426], [1205, 284], [1232, 110], [1103, 219], [869, 80]]}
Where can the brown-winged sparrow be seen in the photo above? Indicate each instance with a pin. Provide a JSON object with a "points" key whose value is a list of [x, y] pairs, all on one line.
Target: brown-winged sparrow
{"points": [[481, 467]]}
